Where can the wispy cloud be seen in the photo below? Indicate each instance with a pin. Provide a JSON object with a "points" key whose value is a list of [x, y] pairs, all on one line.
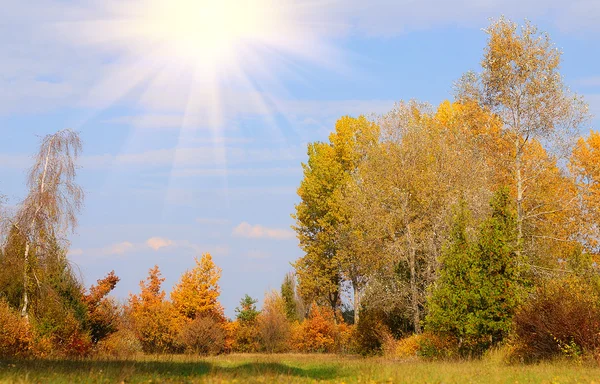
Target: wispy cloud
{"points": [[118, 249], [157, 243], [259, 232], [153, 244]]}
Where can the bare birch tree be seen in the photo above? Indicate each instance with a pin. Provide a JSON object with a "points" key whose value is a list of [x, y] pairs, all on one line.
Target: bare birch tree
{"points": [[53, 202]]}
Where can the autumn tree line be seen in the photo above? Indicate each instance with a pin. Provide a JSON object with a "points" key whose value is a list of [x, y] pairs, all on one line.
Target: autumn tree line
{"points": [[471, 225], [46, 311], [427, 231]]}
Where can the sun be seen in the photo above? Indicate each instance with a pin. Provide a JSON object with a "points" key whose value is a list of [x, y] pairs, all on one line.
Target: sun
{"points": [[210, 32], [244, 43], [201, 63]]}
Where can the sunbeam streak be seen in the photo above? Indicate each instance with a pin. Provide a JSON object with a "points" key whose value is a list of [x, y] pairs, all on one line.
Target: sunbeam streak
{"points": [[228, 41], [207, 61]]}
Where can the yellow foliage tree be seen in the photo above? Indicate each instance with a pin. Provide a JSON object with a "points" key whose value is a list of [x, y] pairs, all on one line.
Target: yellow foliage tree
{"points": [[320, 216], [197, 293], [585, 166], [521, 84], [155, 322]]}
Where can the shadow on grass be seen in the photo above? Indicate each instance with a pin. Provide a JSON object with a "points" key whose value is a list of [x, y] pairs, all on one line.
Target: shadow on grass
{"points": [[168, 370], [278, 369]]}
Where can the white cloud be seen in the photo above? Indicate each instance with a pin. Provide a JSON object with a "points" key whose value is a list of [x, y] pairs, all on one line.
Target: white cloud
{"points": [[157, 243], [118, 249], [150, 121], [153, 244], [258, 231], [390, 18]]}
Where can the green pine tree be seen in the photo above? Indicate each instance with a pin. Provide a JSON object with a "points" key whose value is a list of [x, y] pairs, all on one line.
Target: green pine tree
{"points": [[247, 311], [288, 293], [480, 283]]}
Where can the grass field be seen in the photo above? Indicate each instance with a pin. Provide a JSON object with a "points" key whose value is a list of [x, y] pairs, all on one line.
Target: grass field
{"points": [[289, 369]]}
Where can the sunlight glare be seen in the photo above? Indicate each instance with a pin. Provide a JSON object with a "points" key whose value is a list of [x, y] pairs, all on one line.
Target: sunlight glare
{"points": [[205, 30]]}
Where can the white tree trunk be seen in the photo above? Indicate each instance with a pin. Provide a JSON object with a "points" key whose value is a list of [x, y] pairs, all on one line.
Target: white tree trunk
{"points": [[520, 191], [356, 303], [24, 312]]}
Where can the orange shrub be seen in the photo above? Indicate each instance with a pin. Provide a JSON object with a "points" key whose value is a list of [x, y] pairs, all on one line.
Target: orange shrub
{"points": [[103, 311], [408, 347], [318, 333], [373, 335], [154, 320], [346, 338], [15, 334], [157, 327]]}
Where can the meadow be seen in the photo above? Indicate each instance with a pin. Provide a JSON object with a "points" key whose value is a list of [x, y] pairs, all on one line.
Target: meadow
{"points": [[291, 368]]}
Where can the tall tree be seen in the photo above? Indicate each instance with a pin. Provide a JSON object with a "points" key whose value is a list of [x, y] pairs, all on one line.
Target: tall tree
{"points": [[402, 196], [155, 321], [53, 201], [520, 83], [319, 214], [294, 307], [585, 166], [197, 293]]}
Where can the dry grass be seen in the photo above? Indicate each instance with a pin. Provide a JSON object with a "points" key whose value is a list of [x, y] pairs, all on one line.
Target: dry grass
{"points": [[289, 369]]}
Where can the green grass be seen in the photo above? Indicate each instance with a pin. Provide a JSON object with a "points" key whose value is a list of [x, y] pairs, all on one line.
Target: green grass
{"points": [[289, 369]]}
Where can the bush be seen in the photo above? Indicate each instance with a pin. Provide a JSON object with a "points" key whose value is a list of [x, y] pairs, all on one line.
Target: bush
{"points": [[372, 333], [346, 338], [157, 328], [245, 337], [119, 345], [15, 334], [318, 333], [436, 346], [408, 347], [562, 318], [273, 326], [206, 335], [61, 335]]}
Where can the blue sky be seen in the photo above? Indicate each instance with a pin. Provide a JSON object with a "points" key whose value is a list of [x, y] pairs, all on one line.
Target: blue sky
{"points": [[198, 150]]}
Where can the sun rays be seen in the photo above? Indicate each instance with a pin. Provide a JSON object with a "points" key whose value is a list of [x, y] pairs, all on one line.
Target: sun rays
{"points": [[208, 61], [180, 49]]}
